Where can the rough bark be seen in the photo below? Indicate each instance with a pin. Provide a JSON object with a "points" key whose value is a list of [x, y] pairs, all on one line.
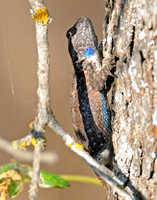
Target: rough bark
{"points": [[132, 26]]}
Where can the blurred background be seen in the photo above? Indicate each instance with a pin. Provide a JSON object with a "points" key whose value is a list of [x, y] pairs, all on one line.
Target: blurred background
{"points": [[18, 83]]}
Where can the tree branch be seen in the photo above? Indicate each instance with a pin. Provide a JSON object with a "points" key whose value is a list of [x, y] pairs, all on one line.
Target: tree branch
{"points": [[48, 157], [40, 14]]}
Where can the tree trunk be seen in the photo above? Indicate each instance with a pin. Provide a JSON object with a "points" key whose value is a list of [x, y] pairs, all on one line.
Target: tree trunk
{"points": [[131, 26]]}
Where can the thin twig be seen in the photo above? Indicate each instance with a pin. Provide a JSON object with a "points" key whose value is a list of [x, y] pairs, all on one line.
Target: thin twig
{"points": [[82, 179], [36, 171], [40, 14], [48, 157]]}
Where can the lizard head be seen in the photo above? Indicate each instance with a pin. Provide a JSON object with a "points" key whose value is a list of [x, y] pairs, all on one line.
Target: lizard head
{"points": [[83, 42]]}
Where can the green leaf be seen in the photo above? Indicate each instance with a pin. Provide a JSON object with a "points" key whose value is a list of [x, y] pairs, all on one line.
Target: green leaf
{"points": [[5, 168], [17, 174], [52, 180], [11, 180], [14, 188]]}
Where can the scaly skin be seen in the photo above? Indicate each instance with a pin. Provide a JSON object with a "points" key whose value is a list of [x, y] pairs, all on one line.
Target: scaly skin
{"points": [[90, 111]]}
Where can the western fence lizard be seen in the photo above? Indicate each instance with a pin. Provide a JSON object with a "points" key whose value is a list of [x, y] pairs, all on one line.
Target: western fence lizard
{"points": [[90, 111]]}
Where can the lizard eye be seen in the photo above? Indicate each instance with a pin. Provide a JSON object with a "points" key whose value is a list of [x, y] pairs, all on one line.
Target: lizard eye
{"points": [[89, 52]]}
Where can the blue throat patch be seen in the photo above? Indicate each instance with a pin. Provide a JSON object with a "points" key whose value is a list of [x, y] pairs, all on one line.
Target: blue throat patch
{"points": [[89, 52]]}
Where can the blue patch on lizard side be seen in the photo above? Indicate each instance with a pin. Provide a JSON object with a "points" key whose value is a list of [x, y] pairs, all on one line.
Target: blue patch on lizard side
{"points": [[106, 114], [89, 52]]}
